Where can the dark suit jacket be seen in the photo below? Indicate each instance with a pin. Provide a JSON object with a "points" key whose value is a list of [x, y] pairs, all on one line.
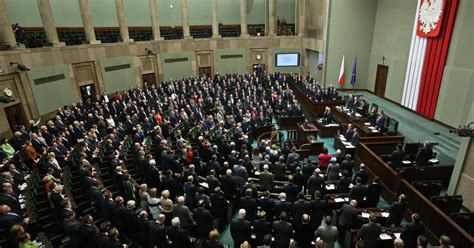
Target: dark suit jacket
{"points": [[358, 192], [282, 231], [266, 181], [267, 205], [250, 206], [240, 231], [304, 235], [281, 206], [410, 234], [178, 237], [423, 156], [397, 210], [347, 165], [291, 191], [396, 158], [373, 194], [364, 175], [203, 219], [369, 233], [12, 202], [343, 184], [300, 207], [212, 244], [8, 220], [88, 234], [261, 228], [318, 209], [315, 182], [157, 235], [348, 216]]}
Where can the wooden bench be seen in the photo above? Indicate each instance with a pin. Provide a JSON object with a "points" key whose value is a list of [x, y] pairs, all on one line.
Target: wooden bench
{"points": [[428, 188], [425, 173], [448, 204], [464, 220]]}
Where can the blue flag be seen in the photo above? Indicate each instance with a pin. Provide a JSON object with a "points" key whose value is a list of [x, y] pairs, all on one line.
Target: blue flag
{"points": [[354, 71]]}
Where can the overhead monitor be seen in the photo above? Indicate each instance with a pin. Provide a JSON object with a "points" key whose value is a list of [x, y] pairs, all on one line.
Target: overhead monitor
{"points": [[287, 59]]}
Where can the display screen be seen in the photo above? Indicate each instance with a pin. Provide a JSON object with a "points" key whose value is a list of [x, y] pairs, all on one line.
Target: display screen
{"points": [[287, 59]]}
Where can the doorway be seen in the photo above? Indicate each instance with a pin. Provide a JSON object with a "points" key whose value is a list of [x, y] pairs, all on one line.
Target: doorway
{"points": [[205, 71], [15, 116], [87, 91], [381, 80], [149, 78]]}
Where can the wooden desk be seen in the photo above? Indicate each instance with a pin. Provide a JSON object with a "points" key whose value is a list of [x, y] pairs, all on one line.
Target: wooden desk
{"points": [[316, 108], [345, 149], [385, 240], [306, 129], [327, 131]]}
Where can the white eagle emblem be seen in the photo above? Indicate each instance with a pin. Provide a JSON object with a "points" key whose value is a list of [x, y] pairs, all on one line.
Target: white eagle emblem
{"points": [[429, 15]]}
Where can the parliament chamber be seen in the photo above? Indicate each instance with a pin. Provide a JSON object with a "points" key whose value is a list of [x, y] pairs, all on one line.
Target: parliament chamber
{"points": [[236, 123]]}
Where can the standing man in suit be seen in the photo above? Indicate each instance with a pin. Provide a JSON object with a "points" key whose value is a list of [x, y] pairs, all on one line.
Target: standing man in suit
{"points": [[249, 204], [397, 157], [373, 193], [397, 211], [380, 121], [157, 232], [203, 218], [261, 228], [363, 174], [315, 182], [282, 205], [347, 165], [327, 233], [300, 208], [355, 137], [347, 218], [349, 132], [369, 233], [266, 204], [282, 231], [412, 230], [266, 179], [240, 229], [291, 190], [304, 234], [318, 208], [424, 154], [184, 214], [358, 192], [88, 231], [177, 235]]}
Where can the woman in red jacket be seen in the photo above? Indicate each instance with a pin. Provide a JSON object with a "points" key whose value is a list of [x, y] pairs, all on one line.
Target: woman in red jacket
{"points": [[324, 158]]}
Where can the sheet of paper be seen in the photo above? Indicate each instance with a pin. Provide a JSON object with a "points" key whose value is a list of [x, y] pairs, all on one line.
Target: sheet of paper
{"points": [[205, 185], [397, 234], [434, 161], [375, 131], [385, 214], [371, 127], [346, 199], [367, 123], [257, 173], [339, 199], [384, 236], [365, 215], [358, 115], [406, 162], [330, 187]]}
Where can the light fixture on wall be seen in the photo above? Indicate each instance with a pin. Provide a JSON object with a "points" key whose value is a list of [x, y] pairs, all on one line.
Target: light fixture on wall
{"points": [[20, 67], [149, 52], [171, 6]]}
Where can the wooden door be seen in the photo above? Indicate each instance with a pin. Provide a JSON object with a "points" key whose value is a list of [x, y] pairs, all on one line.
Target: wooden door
{"points": [[381, 80], [149, 78], [205, 71], [15, 116]]}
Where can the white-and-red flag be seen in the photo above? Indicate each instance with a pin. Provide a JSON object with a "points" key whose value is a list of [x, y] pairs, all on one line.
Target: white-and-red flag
{"points": [[341, 73]]}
